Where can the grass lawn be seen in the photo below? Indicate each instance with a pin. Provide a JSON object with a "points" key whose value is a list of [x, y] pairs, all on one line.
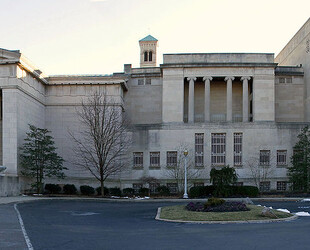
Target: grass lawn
{"points": [[180, 213]]}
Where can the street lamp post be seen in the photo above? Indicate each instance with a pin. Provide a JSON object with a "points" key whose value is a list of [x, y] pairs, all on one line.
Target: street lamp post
{"points": [[185, 196]]}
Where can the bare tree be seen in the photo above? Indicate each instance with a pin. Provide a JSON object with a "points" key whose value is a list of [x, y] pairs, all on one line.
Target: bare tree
{"points": [[258, 172], [176, 171], [102, 145]]}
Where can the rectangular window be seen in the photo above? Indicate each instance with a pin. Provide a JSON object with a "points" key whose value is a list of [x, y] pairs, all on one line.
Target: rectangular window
{"points": [[264, 157], [148, 81], [281, 80], [138, 160], [218, 149], [199, 184], [288, 80], [281, 185], [153, 188], [136, 187], [281, 157], [264, 186], [154, 159], [173, 187], [199, 150], [140, 81], [239, 184], [172, 158], [237, 149]]}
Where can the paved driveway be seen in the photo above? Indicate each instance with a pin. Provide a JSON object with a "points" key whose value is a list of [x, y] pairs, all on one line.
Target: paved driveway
{"points": [[59, 224]]}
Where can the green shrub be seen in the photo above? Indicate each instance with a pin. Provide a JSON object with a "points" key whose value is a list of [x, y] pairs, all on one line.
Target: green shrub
{"points": [[199, 192], [163, 191], [87, 190], [248, 191], [105, 191], [53, 188], [213, 202], [115, 191], [144, 191], [69, 189], [128, 191]]}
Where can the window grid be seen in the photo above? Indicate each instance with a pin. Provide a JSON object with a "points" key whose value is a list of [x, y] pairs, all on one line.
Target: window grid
{"points": [[148, 81], [138, 159], [172, 158], [173, 187], [237, 149], [154, 159], [153, 188], [218, 149], [281, 185], [264, 186], [264, 158], [136, 187], [281, 157], [199, 150], [140, 81]]}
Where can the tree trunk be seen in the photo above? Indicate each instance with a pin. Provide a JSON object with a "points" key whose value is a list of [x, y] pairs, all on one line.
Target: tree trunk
{"points": [[102, 188]]}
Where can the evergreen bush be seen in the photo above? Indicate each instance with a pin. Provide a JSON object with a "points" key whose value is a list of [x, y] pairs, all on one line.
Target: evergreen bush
{"points": [[87, 190], [69, 189], [53, 188]]}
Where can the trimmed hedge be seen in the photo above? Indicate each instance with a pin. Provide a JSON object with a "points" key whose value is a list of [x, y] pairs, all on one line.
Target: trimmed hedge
{"points": [[163, 191], [105, 191], [87, 190], [240, 191], [128, 191], [115, 191], [69, 189], [144, 191], [53, 188]]}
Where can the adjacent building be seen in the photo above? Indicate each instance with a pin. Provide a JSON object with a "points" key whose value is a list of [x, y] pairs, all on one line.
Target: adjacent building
{"points": [[239, 109]]}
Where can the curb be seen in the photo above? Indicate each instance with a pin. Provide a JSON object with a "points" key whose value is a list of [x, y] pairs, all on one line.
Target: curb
{"points": [[294, 217]]}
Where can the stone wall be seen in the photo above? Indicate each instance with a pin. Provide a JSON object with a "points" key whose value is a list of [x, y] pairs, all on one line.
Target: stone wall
{"points": [[9, 186]]}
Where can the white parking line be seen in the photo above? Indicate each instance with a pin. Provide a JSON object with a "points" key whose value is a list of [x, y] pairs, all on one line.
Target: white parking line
{"points": [[29, 245]]}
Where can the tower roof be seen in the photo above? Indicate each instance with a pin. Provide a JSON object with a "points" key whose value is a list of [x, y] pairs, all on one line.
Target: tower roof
{"points": [[148, 38]]}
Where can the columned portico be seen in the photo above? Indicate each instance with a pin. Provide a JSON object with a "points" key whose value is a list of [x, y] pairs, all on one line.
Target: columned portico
{"points": [[245, 98], [207, 80], [191, 100], [229, 80]]}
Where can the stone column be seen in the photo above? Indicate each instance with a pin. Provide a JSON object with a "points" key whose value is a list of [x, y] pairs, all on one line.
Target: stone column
{"points": [[207, 80], [191, 100], [245, 98], [229, 80]]}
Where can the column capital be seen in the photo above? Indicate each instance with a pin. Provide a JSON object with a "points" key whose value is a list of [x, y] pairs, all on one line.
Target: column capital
{"points": [[191, 78], [207, 78], [227, 78], [245, 78]]}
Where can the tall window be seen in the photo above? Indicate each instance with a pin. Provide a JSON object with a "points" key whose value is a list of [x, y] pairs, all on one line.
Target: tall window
{"points": [[145, 56], [199, 150], [172, 158], [150, 56], [281, 158], [237, 149], [154, 159], [218, 149], [264, 157], [138, 159]]}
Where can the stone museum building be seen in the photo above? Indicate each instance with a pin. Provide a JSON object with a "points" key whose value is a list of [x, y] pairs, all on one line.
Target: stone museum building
{"points": [[244, 110]]}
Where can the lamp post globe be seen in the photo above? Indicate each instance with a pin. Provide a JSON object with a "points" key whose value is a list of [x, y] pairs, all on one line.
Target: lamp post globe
{"points": [[185, 196]]}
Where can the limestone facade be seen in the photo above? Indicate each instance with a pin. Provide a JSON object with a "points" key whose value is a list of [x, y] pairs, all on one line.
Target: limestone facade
{"points": [[226, 108]]}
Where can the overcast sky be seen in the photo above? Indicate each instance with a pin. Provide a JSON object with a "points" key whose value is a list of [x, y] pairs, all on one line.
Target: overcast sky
{"points": [[98, 37]]}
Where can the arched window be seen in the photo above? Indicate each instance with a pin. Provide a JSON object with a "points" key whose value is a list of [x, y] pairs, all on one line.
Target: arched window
{"points": [[145, 56], [150, 56]]}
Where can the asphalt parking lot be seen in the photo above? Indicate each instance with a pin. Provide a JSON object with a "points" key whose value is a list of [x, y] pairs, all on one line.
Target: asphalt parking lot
{"points": [[60, 224]]}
